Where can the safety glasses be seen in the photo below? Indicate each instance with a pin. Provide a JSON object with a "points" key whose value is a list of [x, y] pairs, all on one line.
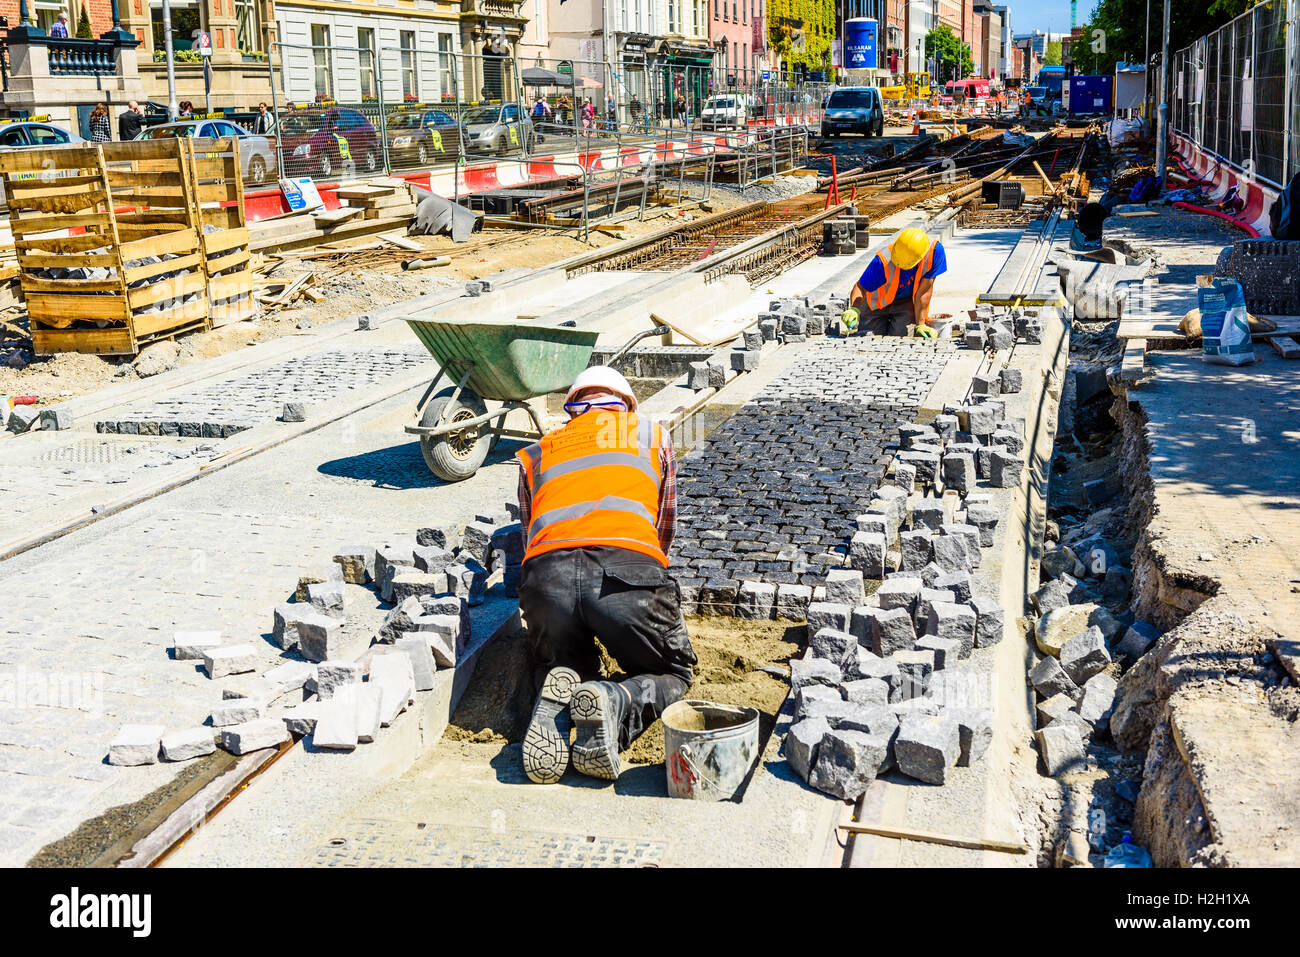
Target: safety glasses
{"points": [[576, 409]]}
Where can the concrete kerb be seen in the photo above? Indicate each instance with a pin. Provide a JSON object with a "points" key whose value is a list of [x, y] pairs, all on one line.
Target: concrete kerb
{"points": [[1019, 549], [393, 751]]}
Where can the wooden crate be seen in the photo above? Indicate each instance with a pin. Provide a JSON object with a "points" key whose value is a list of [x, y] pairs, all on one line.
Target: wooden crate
{"points": [[218, 183], [110, 207]]}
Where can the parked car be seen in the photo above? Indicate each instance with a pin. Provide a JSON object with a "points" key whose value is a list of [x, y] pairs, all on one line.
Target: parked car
{"points": [[419, 137], [497, 129], [322, 142], [854, 109], [724, 110], [256, 154], [25, 135]]}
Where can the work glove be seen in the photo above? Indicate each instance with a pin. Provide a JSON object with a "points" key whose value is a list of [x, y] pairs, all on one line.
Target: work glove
{"points": [[849, 321], [926, 332]]}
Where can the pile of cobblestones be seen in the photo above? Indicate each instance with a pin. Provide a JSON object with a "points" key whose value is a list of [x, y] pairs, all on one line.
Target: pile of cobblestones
{"points": [[431, 582], [766, 505], [233, 406], [881, 686]]}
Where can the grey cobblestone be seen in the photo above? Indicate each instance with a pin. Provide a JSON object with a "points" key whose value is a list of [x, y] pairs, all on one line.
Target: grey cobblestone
{"points": [[774, 493]]}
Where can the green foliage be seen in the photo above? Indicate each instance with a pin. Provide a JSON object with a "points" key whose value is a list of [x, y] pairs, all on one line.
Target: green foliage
{"points": [[815, 17], [178, 56], [956, 60], [1053, 55], [1123, 23], [83, 25]]}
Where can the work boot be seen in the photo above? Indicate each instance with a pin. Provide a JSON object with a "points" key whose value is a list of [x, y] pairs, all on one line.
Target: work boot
{"points": [[546, 742], [598, 708]]}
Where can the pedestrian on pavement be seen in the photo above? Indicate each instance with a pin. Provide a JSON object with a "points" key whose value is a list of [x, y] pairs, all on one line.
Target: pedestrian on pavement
{"points": [[680, 109], [541, 111], [894, 290], [566, 110], [588, 114], [611, 112], [60, 29], [640, 119], [100, 129], [598, 505], [264, 120], [186, 109], [130, 122]]}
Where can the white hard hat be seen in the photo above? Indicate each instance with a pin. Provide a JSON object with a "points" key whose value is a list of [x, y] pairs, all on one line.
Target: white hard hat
{"points": [[603, 377]]}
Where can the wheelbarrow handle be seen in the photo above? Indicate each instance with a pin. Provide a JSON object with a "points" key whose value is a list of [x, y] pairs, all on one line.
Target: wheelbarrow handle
{"points": [[656, 331]]}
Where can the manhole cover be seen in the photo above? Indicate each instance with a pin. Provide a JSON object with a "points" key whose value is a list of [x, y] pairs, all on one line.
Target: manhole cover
{"points": [[411, 844]]}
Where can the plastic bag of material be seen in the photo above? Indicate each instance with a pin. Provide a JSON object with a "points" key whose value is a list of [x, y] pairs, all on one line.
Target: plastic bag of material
{"points": [[1127, 854], [1225, 332]]}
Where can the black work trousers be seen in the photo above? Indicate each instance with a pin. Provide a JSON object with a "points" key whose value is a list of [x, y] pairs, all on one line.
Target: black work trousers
{"points": [[628, 601], [890, 320]]}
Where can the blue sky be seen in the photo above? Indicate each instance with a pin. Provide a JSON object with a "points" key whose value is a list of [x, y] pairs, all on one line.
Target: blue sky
{"points": [[1052, 15]]}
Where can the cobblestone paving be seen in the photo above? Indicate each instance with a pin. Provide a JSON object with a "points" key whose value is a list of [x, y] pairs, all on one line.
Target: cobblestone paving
{"points": [[35, 477], [232, 406], [773, 494]]}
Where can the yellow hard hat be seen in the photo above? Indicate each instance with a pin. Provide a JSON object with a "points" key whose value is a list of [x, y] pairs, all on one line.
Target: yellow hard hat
{"points": [[909, 247]]}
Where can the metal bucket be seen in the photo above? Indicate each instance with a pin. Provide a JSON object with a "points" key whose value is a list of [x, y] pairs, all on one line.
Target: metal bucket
{"points": [[710, 748]]}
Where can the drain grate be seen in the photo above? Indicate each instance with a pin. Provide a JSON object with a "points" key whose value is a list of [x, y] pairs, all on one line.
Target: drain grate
{"points": [[375, 843]]}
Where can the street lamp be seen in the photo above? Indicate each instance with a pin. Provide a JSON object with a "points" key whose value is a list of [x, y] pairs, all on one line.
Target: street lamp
{"points": [[173, 108]]}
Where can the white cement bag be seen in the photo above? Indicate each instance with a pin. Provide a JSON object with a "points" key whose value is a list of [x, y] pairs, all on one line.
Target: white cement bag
{"points": [[1225, 331]]}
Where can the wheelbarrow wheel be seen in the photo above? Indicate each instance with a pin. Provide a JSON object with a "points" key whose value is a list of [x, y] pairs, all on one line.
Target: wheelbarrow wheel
{"points": [[455, 456]]}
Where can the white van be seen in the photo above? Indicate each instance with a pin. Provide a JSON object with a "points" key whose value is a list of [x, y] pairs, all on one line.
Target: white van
{"points": [[724, 110]]}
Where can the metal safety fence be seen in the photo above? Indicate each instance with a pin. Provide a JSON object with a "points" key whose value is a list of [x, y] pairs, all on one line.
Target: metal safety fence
{"points": [[339, 112], [1236, 92]]}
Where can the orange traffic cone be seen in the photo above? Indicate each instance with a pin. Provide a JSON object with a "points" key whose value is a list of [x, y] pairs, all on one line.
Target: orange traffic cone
{"points": [[916, 123]]}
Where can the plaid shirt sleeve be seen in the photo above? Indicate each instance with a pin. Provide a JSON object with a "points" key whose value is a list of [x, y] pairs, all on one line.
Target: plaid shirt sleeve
{"points": [[667, 523]]}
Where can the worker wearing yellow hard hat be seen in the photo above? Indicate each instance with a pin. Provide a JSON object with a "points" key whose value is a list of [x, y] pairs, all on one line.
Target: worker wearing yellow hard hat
{"points": [[893, 293]]}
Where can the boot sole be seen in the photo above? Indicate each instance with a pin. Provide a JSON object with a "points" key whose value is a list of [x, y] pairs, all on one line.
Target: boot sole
{"points": [[595, 751], [546, 742]]}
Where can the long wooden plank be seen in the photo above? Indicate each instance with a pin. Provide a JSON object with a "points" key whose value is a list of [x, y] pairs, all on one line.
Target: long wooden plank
{"points": [[33, 284], [151, 196], [136, 273], [49, 186], [73, 201], [156, 292], [230, 260], [128, 179], [59, 310], [1134, 362], [68, 260], [61, 244], [132, 150], [133, 231], [52, 158], [1285, 346], [176, 241], [182, 314], [48, 223], [933, 837], [224, 287], [118, 341], [225, 239]]}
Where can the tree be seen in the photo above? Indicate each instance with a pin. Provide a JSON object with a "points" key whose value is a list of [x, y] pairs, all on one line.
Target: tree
{"points": [[1053, 55], [1115, 30], [954, 56], [84, 31]]}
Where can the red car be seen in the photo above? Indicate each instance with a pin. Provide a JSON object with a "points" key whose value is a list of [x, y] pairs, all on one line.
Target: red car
{"points": [[328, 142]]}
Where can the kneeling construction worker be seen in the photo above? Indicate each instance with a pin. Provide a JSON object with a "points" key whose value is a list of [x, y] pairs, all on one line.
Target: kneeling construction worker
{"points": [[597, 501], [894, 290]]}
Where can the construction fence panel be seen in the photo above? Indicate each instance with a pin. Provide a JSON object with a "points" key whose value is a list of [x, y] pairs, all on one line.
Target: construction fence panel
{"points": [[1233, 92], [327, 125], [576, 103]]}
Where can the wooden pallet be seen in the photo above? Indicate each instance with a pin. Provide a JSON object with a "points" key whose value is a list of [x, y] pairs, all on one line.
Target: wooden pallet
{"points": [[108, 207]]}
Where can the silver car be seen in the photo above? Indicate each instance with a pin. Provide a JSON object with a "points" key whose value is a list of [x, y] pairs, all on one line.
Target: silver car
{"points": [[499, 128], [255, 152], [32, 134]]}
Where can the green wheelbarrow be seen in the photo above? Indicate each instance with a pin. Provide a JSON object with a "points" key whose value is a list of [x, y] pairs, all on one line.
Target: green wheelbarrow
{"points": [[483, 362]]}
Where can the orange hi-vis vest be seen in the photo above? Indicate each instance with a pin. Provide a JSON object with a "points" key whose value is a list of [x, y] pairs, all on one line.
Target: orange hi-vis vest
{"points": [[595, 482], [881, 297]]}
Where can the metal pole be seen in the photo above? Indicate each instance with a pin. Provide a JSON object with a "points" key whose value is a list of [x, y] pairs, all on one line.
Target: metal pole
{"points": [[1146, 65], [1162, 127], [275, 110], [173, 108], [383, 121]]}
